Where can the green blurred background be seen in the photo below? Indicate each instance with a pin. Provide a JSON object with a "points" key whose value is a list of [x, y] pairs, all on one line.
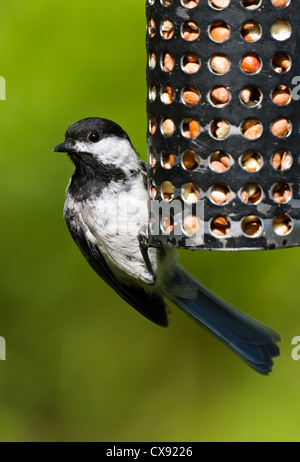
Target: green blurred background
{"points": [[81, 364]]}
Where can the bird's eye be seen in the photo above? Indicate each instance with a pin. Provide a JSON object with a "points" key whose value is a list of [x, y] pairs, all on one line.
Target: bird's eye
{"points": [[94, 137]]}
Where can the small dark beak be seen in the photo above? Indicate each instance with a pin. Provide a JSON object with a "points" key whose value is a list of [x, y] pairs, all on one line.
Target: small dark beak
{"points": [[64, 147]]}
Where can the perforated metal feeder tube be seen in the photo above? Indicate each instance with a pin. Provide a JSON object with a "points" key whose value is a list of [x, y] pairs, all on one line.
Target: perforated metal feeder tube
{"points": [[223, 123]]}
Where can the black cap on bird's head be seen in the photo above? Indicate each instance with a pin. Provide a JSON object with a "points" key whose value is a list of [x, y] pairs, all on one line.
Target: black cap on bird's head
{"points": [[83, 135]]}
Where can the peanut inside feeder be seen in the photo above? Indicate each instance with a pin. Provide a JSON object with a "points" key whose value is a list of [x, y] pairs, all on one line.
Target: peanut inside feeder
{"points": [[223, 124]]}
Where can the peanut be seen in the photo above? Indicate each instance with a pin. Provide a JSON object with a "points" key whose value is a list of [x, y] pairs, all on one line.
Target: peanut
{"points": [[168, 63], [167, 29], [251, 4], [221, 221], [281, 62], [253, 132], [190, 96], [252, 229], [281, 128], [219, 32], [190, 31], [152, 94], [191, 128], [191, 160], [220, 226], [282, 193], [251, 129], [220, 4], [190, 193], [246, 95], [191, 225], [218, 166], [252, 226], [152, 28], [281, 30], [152, 157], [276, 160], [280, 3], [251, 31], [191, 63], [251, 193], [152, 61], [225, 159], [220, 64], [167, 224], [281, 95], [251, 64], [167, 95], [286, 161], [190, 3], [153, 125], [220, 161], [168, 127], [251, 96], [167, 191], [167, 159], [220, 129], [192, 68], [282, 225], [251, 161], [194, 128], [220, 194], [220, 96]]}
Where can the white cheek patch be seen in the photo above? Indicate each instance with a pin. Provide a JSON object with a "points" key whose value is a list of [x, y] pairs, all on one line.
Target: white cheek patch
{"points": [[80, 146], [111, 150]]}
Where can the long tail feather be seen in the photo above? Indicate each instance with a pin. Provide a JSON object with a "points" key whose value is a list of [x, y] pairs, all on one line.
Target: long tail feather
{"points": [[252, 341]]}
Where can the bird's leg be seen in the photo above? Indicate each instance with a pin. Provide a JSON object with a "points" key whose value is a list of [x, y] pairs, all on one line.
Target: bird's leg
{"points": [[144, 246], [144, 169], [143, 166]]}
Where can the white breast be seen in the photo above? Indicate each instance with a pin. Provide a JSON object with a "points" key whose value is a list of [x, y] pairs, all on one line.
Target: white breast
{"points": [[115, 220]]}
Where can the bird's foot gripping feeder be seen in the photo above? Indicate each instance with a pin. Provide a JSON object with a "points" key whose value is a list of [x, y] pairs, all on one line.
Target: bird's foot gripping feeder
{"points": [[223, 123]]}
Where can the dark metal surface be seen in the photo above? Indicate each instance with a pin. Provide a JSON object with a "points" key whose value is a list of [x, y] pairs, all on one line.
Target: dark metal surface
{"points": [[235, 112]]}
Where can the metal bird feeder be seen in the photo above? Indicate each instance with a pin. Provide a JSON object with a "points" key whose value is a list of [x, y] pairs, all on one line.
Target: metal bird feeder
{"points": [[223, 125]]}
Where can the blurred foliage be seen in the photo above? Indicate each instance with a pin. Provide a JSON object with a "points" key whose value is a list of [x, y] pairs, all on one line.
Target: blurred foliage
{"points": [[81, 364]]}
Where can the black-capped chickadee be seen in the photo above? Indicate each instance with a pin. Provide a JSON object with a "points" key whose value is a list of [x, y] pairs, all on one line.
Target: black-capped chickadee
{"points": [[106, 211]]}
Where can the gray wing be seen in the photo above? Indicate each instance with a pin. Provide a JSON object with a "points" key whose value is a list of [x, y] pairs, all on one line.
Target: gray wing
{"points": [[151, 306]]}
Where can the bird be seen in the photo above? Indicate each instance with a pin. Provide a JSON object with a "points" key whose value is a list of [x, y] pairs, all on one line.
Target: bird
{"points": [[107, 213]]}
